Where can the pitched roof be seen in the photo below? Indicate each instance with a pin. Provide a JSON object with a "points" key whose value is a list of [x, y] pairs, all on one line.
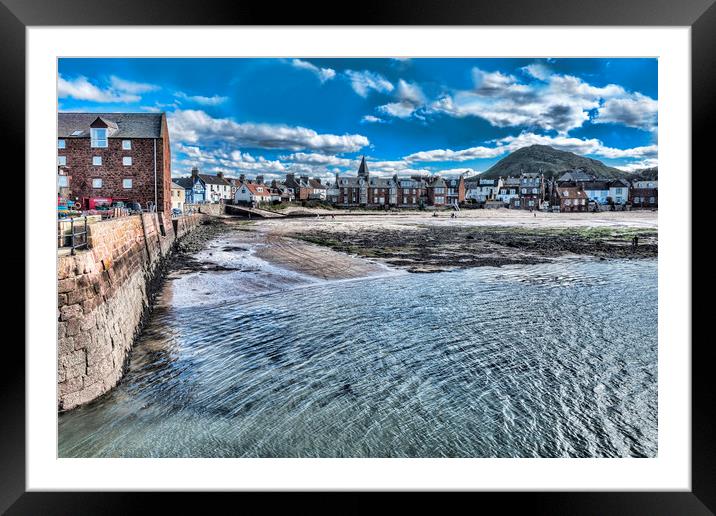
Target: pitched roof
{"points": [[254, 189], [184, 182], [214, 180], [313, 183], [575, 175], [121, 125], [177, 186], [596, 185]]}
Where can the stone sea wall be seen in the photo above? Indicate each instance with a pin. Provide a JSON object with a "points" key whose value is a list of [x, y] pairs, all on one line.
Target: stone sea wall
{"points": [[104, 294]]}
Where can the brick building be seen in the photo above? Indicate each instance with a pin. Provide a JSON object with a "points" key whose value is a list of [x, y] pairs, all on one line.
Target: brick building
{"points": [[124, 156]]}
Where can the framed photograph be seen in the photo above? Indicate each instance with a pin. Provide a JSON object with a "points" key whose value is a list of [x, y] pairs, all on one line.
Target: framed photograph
{"points": [[421, 251]]}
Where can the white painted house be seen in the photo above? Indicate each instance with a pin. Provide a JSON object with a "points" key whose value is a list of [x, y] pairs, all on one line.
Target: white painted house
{"points": [[252, 193], [597, 191], [619, 191], [483, 189]]}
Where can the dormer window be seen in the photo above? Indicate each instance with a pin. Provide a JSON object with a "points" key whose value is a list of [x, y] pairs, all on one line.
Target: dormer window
{"points": [[98, 136]]}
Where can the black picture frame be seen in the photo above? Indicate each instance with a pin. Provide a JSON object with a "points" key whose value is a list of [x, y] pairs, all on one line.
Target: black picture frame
{"points": [[700, 15]]}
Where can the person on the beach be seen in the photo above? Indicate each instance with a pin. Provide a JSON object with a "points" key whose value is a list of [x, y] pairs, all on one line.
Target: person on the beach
{"points": [[635, 242]]}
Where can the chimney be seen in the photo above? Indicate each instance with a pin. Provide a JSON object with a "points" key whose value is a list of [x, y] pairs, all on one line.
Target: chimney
{"points": [[242, 178], [259, 179], [220, 175], [290, 177], [194, 172]]}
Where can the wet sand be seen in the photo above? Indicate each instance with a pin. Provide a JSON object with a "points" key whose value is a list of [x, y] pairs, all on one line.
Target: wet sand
{"points": [[421, 242], [269, 255]]}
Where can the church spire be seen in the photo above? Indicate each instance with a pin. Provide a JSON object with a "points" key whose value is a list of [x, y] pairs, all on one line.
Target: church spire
{"points": [[363, 168]]}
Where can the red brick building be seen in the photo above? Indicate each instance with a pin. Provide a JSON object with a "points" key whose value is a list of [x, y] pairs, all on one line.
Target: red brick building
{"points": [[570, 198], [123, 156]]}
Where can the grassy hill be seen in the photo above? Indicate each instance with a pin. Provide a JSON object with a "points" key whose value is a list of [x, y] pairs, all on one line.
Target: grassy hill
{"points": [[552, 162]]}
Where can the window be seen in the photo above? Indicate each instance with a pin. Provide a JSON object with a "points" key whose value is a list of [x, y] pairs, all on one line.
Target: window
{"points": [[126, 144], [96, 182], [652, 200], [76, 133], [97, 160], [127, 161], [63, 181], [126, 183], [98, 137], [62, 160], [60, 144]]}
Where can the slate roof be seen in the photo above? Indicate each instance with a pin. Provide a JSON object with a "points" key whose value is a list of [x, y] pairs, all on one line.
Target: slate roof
{"points": [[121, 125], [185, 182], [213, 180], [575, 175], [596, 185], [316, 184]]}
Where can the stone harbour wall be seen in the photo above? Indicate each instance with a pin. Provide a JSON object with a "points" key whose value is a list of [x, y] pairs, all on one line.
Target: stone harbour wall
{"points": [[104, 296]]}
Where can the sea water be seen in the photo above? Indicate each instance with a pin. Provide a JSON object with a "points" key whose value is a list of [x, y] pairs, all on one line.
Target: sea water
{"points": [[550, 360]]}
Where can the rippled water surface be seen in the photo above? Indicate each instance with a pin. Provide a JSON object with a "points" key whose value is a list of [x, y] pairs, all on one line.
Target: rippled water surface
{"points": [[525, 361]]}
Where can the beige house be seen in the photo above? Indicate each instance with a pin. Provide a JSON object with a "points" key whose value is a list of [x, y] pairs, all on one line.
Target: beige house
{"points": [[178, 197]]}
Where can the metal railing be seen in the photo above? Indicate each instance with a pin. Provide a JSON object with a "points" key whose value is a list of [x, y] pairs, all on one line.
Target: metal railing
{"points": [[74, 239]]}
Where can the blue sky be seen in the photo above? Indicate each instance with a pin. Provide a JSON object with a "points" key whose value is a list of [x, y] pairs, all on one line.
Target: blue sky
{"points": [[319, 116]]}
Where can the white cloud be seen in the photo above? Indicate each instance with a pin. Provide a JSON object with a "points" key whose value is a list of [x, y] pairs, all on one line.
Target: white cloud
{"points": [[410, 97], [555, 102], [593, 147], [638, 165], [637, 111], [231, 162], [397, 109], [323, 74], [439, 155], [193, 126], [538, 71], [131, 86], [214, 100], [320, 159], [370, 119], [81, 88], [364, 81]]}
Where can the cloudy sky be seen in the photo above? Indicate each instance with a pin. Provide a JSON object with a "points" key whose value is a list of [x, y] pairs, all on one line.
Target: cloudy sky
{"points": [[319, 116]]}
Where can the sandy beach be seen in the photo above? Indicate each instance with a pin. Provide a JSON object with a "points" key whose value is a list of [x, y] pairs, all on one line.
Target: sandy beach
{"points": [[364, 244], [424, 242]]}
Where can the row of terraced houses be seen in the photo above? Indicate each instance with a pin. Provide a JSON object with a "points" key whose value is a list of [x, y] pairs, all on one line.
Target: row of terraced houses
{"points": [[126, 156]]}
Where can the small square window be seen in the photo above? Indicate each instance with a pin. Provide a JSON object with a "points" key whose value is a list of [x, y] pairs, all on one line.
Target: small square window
{"points": [[62, 160], [126, 144], [97, 182], [127, 161], [60, 144], [63, 181], [127, 183], [96, 160]]}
